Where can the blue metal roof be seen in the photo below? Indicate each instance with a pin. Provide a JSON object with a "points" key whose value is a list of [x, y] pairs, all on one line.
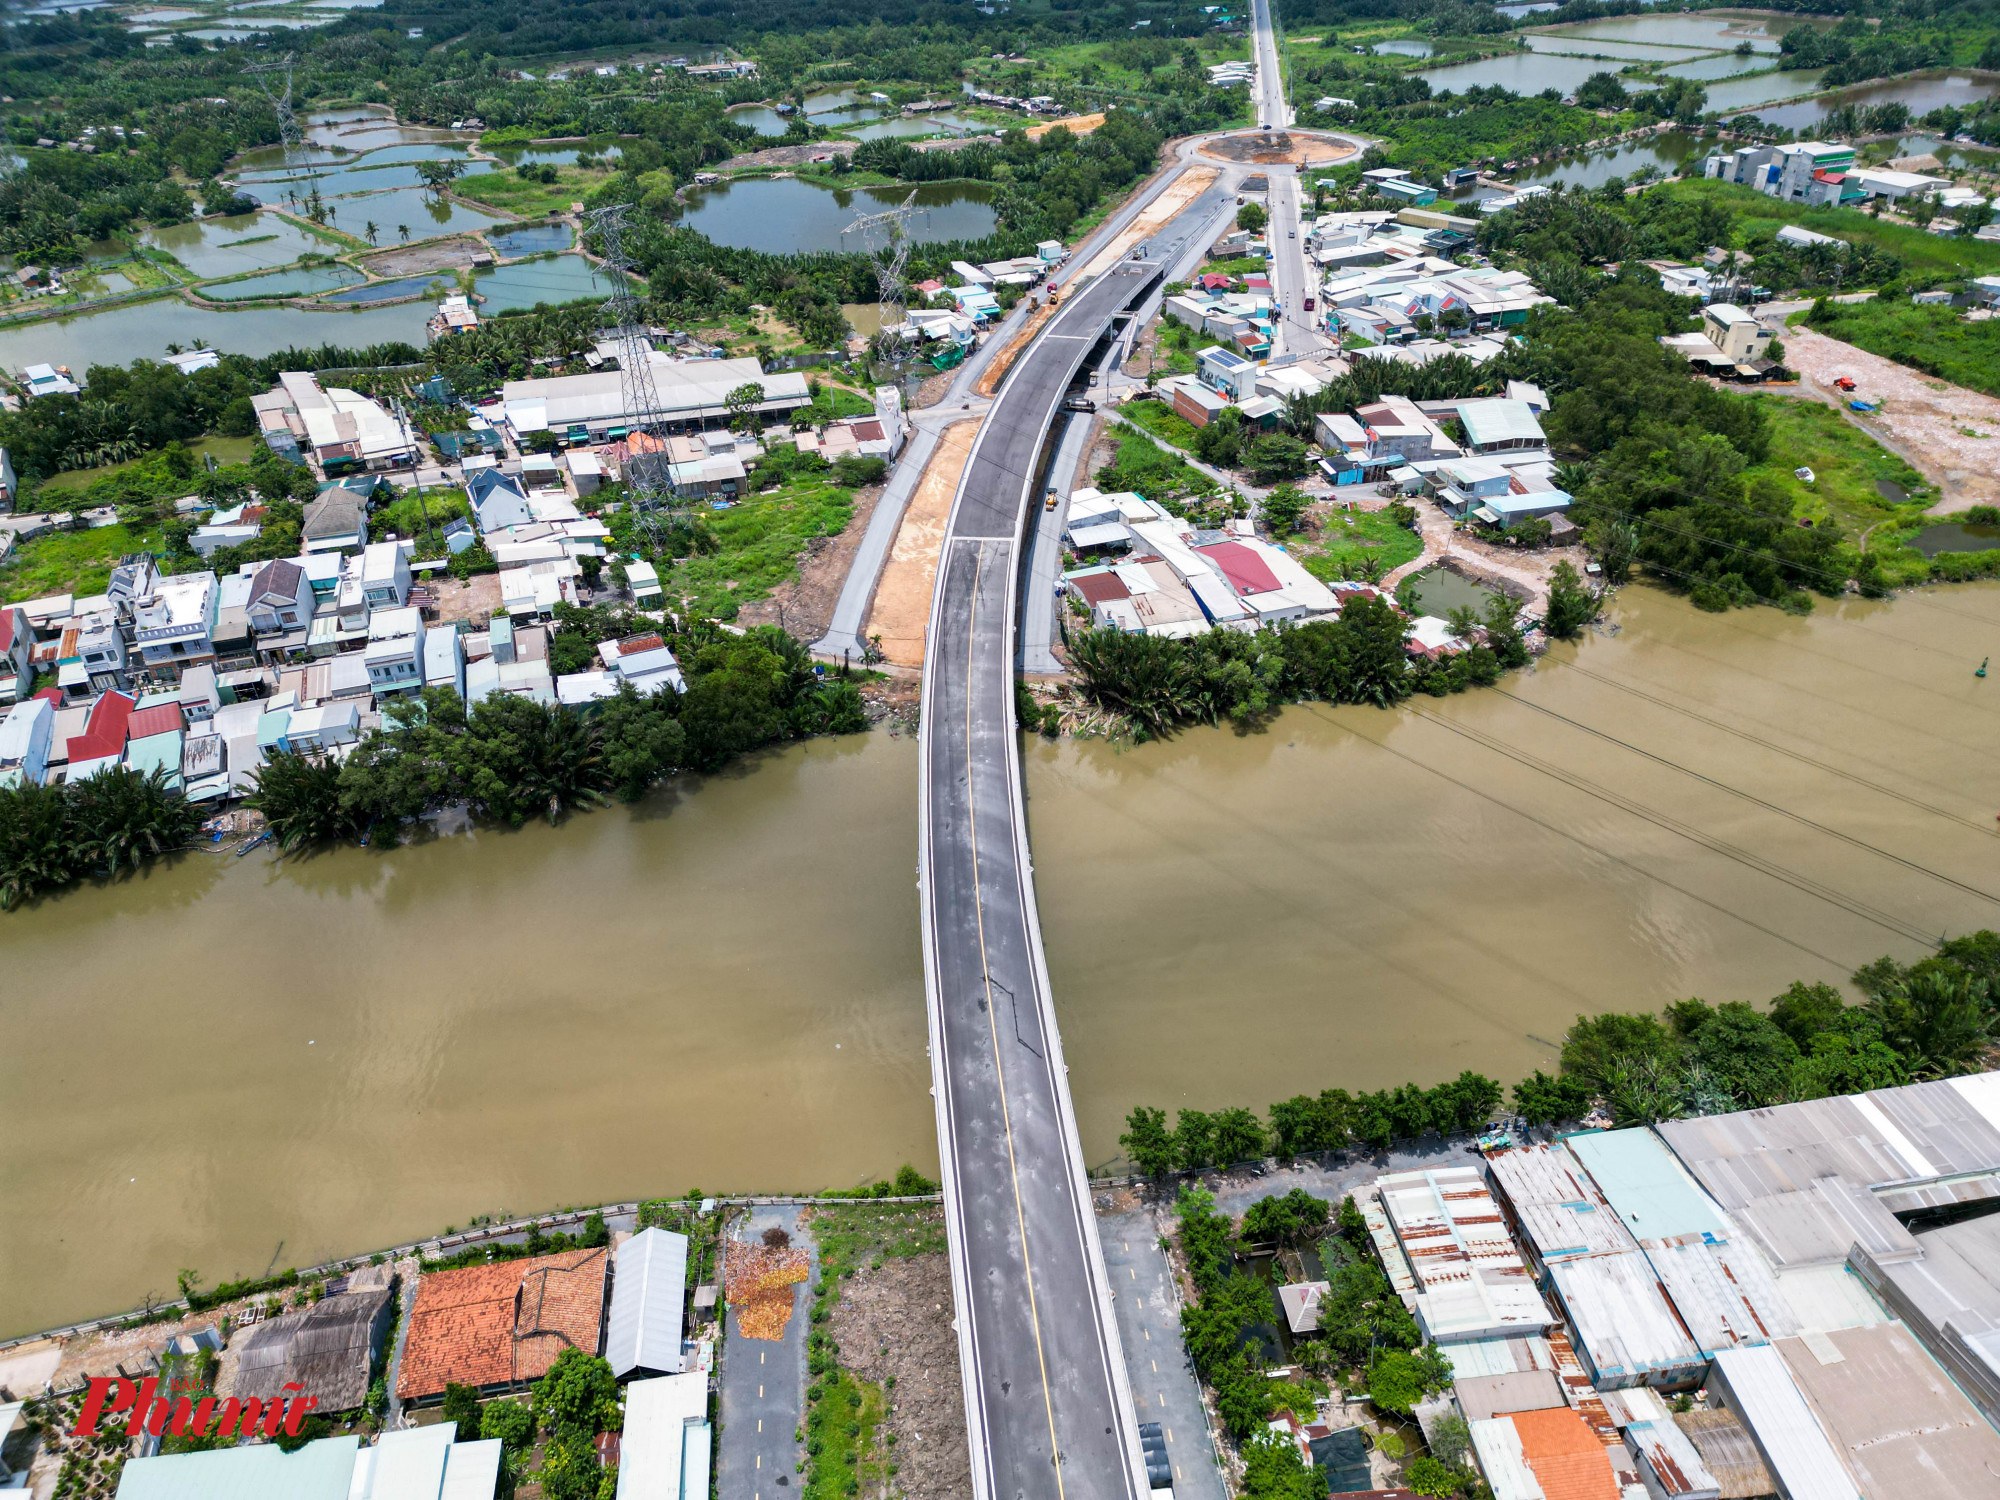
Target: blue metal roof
{"points": [[1646, 1186], [321, 1470]]}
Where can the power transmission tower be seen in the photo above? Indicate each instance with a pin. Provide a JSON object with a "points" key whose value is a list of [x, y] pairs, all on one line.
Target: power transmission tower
{"points": [[891, 258], [648, 480], [288, 123]]}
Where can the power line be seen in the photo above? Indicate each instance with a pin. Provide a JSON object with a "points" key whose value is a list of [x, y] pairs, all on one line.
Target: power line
{"points": [[1878, 787], [1602, 853], [1852, 905], [1768, 806]]}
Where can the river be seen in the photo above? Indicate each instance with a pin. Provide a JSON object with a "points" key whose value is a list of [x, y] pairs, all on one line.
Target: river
{"points": [[232, 1064]]}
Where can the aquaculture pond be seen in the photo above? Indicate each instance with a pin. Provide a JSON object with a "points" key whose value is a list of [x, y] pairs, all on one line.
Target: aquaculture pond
{"points": [[1519, 73], [529, 239], [388, 291], [1920, 95], [780, 215], [559, 279], [237, 243], [1440, 591], [300, 282]]}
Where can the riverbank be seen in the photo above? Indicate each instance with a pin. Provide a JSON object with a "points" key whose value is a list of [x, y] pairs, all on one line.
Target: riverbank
{"points": [[503, 1018]]}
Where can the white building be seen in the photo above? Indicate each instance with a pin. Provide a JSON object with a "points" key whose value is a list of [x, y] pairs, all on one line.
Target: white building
{"points": [[395, 651], [342, 428], [173, 627], [691, 392], [667, 1444], [25, 736]]}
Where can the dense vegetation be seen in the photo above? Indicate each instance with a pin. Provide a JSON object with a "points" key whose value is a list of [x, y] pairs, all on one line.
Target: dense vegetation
{"points": [[512, 759], [1936, 1018], [100, 827]]}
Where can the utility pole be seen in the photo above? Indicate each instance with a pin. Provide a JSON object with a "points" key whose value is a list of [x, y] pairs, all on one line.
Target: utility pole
{"points": [[289, 131], [648, 476], [892, 258]]}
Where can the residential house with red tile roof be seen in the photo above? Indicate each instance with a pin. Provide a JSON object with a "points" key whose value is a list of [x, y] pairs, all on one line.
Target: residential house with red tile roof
{"points": [[104, 734], [502, 1325]]}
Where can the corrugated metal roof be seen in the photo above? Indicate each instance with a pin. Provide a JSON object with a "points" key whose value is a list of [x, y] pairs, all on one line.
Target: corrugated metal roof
{"points": [[1560, 1210], [661, 1421], [1810, 1179], [1795, 1448], [1483, 1396], [1728, 1452], [1894, 1415], [321, 1470], [1649, 1190], [1471, 1279], [1674, 1462], [1503, 1462], [1625, 1325], [648, 1304], [1823, 1298], [1951, 1300], [1725, 1293], [1471, 1358]]}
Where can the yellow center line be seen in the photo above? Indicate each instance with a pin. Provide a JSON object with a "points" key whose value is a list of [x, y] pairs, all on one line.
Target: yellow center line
{"points": [[993, 1028]]}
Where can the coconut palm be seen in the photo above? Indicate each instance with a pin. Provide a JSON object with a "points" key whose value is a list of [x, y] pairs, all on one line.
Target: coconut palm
{"points": [[35, 842], [300, 800], [403, 230], [123, 818], [369, 231], [1939, 1019]]}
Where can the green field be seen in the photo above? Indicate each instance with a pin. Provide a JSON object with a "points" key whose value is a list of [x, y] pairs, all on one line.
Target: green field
{"points": [[68, 562], [760, 541], [1162, 421], [226, 450], [1347, 543]]}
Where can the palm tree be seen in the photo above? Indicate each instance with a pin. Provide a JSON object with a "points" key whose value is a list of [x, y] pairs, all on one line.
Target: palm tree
{"points": [[404, 231], [300, 801], [35, 842], [1939, 1019], [369, 231], [123, 818]]}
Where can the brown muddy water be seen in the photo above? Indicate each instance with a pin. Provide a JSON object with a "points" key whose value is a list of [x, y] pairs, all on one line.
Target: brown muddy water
{"points": [[234, 1064]]}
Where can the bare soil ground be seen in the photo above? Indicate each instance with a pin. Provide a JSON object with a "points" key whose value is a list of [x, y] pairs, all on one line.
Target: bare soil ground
{"points": [[438, 255], [1189, 186], [472, 599], [902, 608], [894, 1320], [1276, 148], [787, 156], [1950, 434], [1074, 124], [804, 607]]}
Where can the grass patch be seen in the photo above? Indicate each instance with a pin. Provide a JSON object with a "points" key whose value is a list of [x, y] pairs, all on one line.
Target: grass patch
{"points": [[1149, 471], [1162, 421], [760, 541], [843, 1453], [1242, 265], [835, 402], [1937, 340], [405, 514], [1846, 464], [227, 450], [1347, 544], [512, 193], [68, 562]]}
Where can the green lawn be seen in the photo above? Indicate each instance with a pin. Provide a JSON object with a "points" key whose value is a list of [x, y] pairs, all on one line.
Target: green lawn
{"points": [[512, 193], [761, 539], [1347, 542], [405, 514], [1937, 340], [1162, 421], [227, 450], [68, 562]]}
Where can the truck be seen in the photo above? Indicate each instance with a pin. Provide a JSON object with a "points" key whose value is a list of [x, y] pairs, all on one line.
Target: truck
{"points": [[1843, 382]]}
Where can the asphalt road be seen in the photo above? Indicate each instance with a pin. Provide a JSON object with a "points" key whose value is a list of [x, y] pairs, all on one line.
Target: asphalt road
{"points": [[1293, 276], [764, 1387], [1164, 1388]]}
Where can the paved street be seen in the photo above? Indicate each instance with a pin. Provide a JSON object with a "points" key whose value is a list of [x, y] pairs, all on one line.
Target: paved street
{"points": [[1164, 1388], [764, 1386]]}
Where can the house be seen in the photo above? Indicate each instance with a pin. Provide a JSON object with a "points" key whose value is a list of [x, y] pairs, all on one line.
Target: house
{"points": [[385, 575], [1465, 484], [1198, 403], [586, 472], [667, 1446], [1794, 168], [49, 380], [1226, 371], [1444, 1238], [335, 522], [281, 600], [1301, 1301], [1499, 425], [329, 1347], [648, 1305], [1543, 1455], [444, 660], [343, 429], [324, 726], [1737, 333], [17, 649], [1879, 182], [25, 737], [173, 627], [200, 695], [1798, 238], [645, 661], [395, 651], [498, 500], [500, 1326], [416, 1461], [643, 580], [1396, 426]]}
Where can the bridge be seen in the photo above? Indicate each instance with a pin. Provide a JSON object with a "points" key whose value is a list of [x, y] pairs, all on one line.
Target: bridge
{"points": [[1048, 1406]]}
